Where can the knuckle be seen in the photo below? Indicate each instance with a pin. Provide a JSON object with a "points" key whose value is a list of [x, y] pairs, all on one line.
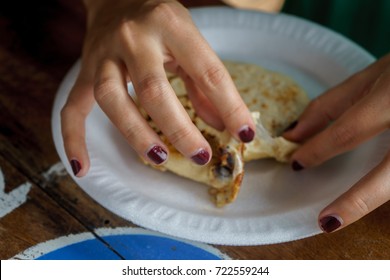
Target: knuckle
{"points": [[163, 9], [233, 112], [360, 205], [66, 111], [127, 34], [151, 90], [315, 104], [168, 13], [71, 111], [317, 107], [132, 131], [69, 137], [310, 154], [358, 77], [343, 136], [212, 77], [125, 30], [181, 133], [105, 89], [316, 157]]}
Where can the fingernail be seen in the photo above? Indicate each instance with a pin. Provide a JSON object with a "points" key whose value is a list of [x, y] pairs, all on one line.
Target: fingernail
{"points": [[296, 166], [330, 223], [157, 154], [291, 126], [76, 166], [201, 157], [246, 134]]}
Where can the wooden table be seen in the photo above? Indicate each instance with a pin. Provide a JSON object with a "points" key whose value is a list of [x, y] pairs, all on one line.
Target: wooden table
{"points": [[38, 45]]}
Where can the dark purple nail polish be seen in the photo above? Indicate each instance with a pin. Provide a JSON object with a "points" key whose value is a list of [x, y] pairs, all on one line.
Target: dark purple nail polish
{"points": [[291, 126], [76, 166], [330, 223], [296, 166], [157, 154], [202, 157], [246, 134]]}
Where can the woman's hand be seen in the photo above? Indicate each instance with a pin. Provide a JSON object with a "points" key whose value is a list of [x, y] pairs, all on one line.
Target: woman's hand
{"points": [[136, 40], [338, 121]]}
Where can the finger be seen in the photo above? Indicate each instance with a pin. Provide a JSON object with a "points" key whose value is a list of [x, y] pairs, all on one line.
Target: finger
{"points": [[73, 115], [362, 121], [111, 95], [211, 77], [370, 192], [159, 100], [330, 105], [202, 105]]}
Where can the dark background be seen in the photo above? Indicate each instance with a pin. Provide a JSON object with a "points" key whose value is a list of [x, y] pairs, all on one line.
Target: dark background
{"points": [[29, 24], [40, 41], [365, 22]]}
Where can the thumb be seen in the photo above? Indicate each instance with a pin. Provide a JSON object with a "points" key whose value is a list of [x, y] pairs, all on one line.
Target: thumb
{"points": [[370, 192]]}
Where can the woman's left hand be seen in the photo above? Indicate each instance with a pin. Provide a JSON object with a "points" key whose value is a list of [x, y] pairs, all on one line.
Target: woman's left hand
{"points": [[338, 121]]}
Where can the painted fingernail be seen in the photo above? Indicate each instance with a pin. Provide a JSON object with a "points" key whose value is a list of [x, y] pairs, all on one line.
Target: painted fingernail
{"points": [[157, 154], [76, 166], [291, 126], [246, 134], [330, 223], [296, 166], [201, 157]]}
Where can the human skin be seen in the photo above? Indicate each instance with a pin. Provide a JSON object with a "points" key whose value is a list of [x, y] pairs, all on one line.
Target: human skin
{"points": [[137, 40], [338, 121], [134, 40]]}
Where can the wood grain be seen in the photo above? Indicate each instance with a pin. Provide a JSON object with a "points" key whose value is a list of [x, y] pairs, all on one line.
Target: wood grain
{"points": [[34, 58]]}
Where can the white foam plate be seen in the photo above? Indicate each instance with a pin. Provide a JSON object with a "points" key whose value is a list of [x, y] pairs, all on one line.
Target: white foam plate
{"points": [[275, 203]]}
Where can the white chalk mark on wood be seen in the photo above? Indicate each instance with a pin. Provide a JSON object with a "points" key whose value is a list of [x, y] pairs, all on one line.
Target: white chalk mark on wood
{"points": [[12, 200], [57, 169]]}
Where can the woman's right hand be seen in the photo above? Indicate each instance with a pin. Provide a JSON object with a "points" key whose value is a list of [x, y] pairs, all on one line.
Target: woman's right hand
{"points": [[134, 40]]}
